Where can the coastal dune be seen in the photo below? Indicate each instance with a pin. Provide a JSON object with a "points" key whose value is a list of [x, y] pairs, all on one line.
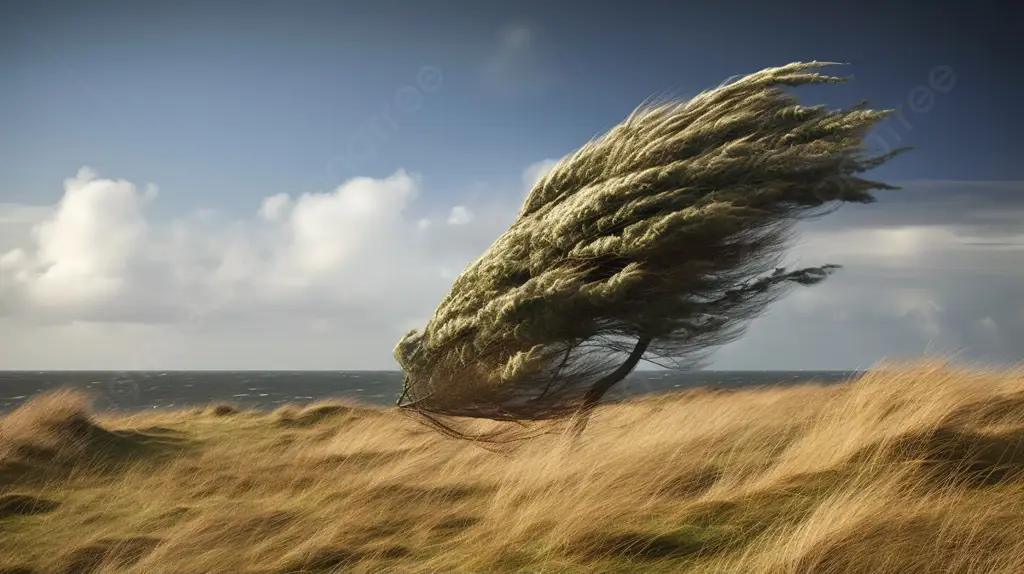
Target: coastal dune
{"points": [[914, 467]]}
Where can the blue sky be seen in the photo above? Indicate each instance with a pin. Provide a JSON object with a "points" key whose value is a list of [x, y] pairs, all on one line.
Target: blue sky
{"points": [[224, 104], [221, 101]]}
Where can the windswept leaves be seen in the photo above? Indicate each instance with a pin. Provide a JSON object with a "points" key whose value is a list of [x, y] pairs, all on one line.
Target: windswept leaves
{"points": [[670, 228]]}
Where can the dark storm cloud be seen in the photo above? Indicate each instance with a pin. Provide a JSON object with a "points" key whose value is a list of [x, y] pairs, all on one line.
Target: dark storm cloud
{"points": [[934, 268], [866, 314], [973, 208]]}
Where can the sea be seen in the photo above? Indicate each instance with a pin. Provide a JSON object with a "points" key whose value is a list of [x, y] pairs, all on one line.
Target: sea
{"points": [[135, 391]]}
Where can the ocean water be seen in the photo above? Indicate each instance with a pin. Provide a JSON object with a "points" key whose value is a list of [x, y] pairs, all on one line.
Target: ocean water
{"points": [[143, 390]]}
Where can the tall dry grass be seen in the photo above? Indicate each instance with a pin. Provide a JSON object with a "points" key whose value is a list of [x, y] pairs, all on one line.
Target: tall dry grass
{"points": [[914, 468]]}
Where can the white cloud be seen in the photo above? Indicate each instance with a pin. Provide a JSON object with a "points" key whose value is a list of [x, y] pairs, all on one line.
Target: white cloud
{"points": [[274, 207], [987, 326], [330, 231], [332, 279], [535, 171], [17, 214], [349, 264], [916, 244], [14, 260], [460, 215], [82, 251]]}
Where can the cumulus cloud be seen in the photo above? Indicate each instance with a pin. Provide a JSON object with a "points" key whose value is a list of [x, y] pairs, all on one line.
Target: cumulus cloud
{"points": [[17, 214], [325, 232], [273, 208], [331, 279], [460, 215], [82, 251], [348, 264], [535, 171]]}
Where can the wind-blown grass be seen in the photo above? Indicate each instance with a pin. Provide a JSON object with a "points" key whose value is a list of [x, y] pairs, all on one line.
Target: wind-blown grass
{"points": [[913, 468]]}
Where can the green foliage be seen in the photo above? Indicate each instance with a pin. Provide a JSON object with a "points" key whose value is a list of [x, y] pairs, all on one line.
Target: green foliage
{"points": [[667, 230]]}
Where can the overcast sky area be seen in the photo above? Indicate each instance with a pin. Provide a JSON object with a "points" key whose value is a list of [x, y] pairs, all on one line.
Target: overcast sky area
{"points": [[294, 185]]}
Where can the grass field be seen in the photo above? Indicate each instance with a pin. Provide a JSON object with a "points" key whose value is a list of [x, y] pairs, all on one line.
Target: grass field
{"points": [[911, 468]]}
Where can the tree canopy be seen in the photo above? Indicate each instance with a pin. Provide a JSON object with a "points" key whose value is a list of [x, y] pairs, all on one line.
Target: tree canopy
{"points": [[659, 240]]}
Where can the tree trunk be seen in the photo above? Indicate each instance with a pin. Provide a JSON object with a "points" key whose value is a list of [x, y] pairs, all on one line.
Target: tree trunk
{"points": [[594, 394]]}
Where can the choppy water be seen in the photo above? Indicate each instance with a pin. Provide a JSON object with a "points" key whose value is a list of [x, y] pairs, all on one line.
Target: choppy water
{"points": [[141, 390]]}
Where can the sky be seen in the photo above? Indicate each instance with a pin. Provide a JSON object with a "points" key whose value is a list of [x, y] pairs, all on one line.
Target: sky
{"points": [[294, 185]]}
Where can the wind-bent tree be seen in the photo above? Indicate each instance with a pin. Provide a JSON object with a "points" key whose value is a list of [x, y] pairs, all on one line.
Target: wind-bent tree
{"points": [[659, 240]]}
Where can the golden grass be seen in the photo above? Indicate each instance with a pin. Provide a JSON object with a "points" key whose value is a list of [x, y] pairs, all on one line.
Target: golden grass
{"points": [[915, 468]]}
